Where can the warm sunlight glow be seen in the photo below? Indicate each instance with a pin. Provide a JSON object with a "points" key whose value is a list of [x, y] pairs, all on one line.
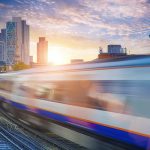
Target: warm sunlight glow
{"points": [[56, 55]]}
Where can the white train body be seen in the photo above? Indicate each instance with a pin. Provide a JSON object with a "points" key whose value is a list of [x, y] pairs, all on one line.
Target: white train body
{"points": [[110, 99]]}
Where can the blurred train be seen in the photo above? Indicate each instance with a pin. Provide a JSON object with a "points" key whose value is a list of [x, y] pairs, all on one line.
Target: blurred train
{"points": [[106, 98]]}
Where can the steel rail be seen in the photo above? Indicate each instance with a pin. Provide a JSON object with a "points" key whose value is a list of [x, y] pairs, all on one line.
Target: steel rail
{"points": [[16, 140], [10, 141], [55, 141]]}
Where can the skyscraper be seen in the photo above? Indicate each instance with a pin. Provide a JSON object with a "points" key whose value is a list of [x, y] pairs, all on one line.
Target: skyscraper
{"points": [[17, 41], [3, 35], [11, 39], [2, 51], [19, 47], [3, 45], [42, 51], [25, 43]]}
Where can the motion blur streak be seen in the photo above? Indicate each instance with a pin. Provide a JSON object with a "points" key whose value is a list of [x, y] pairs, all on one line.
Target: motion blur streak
{"points": [[110, 103]]}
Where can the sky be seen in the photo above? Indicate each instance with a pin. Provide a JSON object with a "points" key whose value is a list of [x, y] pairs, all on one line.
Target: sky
{"points": [[77, 28]]}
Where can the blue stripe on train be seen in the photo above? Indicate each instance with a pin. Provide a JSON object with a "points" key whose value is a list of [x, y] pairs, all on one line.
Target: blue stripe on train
{"points": [[4, 99], [130, 138], [127, 137], [18, 105]]}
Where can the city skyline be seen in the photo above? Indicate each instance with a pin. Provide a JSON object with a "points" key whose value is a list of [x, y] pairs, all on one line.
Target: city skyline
{"points": [[75, 29]]}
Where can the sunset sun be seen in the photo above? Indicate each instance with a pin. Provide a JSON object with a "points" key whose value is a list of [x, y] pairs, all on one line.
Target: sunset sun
{"points": [[56, 55]]}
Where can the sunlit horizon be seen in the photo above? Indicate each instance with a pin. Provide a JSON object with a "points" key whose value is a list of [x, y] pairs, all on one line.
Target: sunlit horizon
{"points": [[56, 55]]}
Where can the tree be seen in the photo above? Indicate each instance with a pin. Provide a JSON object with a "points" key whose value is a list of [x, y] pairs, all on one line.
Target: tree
{"points": [[20, 66]]}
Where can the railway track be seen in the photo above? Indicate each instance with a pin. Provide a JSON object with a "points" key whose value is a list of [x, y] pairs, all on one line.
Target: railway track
{"points": [[16, 135]]}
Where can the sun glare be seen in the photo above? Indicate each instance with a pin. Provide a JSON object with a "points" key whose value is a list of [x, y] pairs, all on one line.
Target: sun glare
{"points": [[56, 56]]}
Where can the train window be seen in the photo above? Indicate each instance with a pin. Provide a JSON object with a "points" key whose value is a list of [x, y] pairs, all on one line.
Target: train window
{"points": [[69, 92], [92, 94], [63, 92], [58, 92], [35, 90], [26, 89], [138, 98], [50, 91], [42, 93], [127, 97], [107, 95], [80, 93], [73, 92]]}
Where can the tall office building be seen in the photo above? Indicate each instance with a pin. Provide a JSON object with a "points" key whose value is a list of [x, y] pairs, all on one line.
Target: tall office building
{"points": [[19, 47], [3, 35], [114, 49], [25, 43], [42, 51], [17, 41], [2, 51], [3, 45], [11, 38]]}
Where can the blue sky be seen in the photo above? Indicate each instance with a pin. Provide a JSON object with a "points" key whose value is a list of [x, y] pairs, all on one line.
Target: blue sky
{"points": [[79, 27]]}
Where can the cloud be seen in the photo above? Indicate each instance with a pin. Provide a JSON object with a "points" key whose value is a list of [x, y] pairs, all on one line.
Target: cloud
{"points": [[119, 8], [4, 6], [84, 23]]}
